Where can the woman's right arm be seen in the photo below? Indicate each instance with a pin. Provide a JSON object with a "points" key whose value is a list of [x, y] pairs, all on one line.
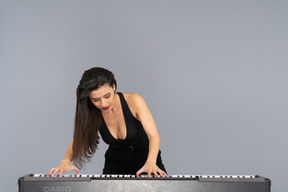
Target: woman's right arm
{"points": [[66, 164]]}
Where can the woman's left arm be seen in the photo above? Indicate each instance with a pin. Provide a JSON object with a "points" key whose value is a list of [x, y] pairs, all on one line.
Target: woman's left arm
{"points": [[144, 115]]}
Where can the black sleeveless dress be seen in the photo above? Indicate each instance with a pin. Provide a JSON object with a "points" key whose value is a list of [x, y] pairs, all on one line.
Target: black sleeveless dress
{"points": [[129, 155]]}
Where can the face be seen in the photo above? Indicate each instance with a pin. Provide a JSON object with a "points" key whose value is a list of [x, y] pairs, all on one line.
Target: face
{"points": [[103, 98]]}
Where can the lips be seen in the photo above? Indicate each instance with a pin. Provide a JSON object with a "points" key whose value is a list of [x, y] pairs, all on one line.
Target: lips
{"points": [[106, 108]]}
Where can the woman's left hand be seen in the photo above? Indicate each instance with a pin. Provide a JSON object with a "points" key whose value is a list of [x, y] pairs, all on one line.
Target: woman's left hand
{"points": [[151, 168]]}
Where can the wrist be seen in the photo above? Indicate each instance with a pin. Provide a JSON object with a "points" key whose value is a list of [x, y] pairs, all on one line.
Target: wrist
{"points": [[151, 161], [65, 161]]}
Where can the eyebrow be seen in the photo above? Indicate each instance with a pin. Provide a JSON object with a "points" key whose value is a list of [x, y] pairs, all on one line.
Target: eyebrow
{"points": [[103, 96]]}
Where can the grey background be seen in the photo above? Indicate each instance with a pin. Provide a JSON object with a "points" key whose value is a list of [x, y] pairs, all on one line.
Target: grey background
{"points": [[213, 73]]}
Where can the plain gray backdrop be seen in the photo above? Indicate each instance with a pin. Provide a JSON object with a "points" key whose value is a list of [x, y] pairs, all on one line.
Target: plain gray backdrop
{"points": [[213, 73]]}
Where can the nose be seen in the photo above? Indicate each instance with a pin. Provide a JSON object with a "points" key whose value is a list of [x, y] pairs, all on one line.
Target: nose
{"points": [[103, 103]]}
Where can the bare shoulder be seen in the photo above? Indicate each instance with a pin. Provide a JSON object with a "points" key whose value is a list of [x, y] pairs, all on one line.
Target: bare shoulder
{"points": [[135, 102], [133, 99]]}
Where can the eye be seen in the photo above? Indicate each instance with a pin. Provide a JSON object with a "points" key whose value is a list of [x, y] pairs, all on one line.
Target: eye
{"points": [[107, 96]]}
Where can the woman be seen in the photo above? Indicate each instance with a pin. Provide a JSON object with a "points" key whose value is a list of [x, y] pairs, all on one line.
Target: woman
{"points": [[124, 122]]}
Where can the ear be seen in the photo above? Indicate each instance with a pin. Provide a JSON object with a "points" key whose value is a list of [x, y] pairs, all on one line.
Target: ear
{"points": [[114, 87]]}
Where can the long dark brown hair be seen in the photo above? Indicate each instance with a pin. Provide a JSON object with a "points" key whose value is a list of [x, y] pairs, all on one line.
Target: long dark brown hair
{"points": [[88, 117]]}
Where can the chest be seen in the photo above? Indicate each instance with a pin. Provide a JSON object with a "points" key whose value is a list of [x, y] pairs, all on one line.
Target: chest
{"points": [[129, 132], [116, 125]]}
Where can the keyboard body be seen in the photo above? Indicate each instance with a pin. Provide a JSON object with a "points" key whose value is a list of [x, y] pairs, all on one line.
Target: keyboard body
{"points": [[130, 183]]}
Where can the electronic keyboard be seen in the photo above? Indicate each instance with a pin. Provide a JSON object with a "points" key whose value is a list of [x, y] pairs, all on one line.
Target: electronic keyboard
{"points": [[131, 183]]}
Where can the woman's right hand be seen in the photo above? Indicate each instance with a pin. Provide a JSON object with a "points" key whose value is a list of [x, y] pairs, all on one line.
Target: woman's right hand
{"points": [[63, 167]]}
